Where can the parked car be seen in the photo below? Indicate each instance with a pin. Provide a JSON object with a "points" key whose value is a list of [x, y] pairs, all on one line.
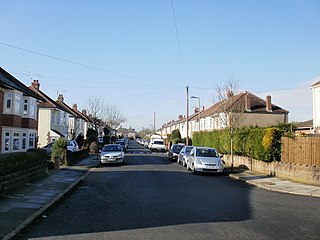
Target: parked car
{"points": [[158, 145], [72, 146], [112, 153], [203, 159], [174, 151], [184, 154], [122, 144]]}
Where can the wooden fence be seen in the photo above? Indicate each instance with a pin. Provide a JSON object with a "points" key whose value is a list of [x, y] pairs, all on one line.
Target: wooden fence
{"points": [[301, 150]]}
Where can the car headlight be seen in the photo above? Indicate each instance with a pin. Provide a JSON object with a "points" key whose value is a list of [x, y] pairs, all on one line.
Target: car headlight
{"points": [[199, 162]]}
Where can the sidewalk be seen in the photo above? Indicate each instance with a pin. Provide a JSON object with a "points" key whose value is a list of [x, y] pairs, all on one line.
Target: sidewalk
{"points": [[21, 208], [276, 184]]}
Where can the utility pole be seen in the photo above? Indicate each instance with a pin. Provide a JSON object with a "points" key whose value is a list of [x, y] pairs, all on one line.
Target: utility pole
{"points": [[154, 122], [187, 117]]}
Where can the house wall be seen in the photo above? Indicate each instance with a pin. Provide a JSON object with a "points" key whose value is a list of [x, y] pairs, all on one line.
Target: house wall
{"points": [[316, 108], [44, 126], [1, 116]]}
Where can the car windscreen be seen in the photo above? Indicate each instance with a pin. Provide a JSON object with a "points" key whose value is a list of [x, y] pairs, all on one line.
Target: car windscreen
{"points": [[111, 148], [206, 152], [177, 148], [158, 142], [188, 149]]}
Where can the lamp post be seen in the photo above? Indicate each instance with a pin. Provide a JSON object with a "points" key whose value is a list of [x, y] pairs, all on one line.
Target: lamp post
{"points": [[194, 97]]}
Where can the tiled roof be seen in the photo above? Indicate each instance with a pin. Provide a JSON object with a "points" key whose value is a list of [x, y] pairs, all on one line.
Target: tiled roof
{"points": [[305, 124], [258, 105], [9, 81], [48, 102], [316, 84]]}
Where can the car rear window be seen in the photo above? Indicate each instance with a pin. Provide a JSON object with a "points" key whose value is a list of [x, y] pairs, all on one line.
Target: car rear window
{"points": [[158, 142]]}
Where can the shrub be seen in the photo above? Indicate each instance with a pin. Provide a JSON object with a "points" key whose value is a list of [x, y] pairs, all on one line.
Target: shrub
{"points": [[14, 162], [59, 149]]}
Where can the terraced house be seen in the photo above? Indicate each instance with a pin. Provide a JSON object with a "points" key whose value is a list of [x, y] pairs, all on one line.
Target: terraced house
{"points": [[18, 115]]}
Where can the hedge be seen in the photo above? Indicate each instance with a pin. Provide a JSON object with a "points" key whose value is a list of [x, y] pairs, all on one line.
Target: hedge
{"points": [[263, 143], [14, 162]]}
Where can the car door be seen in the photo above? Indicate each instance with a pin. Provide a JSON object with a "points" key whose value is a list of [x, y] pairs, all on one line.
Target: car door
{"points": [[191, 158], [180, 156]]}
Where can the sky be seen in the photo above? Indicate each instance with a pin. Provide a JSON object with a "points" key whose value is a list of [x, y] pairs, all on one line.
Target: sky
{"points": [[140, 55]]}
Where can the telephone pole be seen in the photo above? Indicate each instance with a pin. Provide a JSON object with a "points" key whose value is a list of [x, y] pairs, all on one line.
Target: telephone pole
{"points": [[187, 117]]}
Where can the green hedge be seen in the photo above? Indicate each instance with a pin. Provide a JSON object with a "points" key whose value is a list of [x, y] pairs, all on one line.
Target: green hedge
{"points": [[256, 142], [14, 162]]}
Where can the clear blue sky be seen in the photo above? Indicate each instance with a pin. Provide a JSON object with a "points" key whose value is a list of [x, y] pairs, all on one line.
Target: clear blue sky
{"points": [[271, 47]]}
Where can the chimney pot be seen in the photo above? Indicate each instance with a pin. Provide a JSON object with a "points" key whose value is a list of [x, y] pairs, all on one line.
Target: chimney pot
{"points": [[229, 93], [60, 97], [84, 111], [268, 103], [75, 107], [35, 84]]}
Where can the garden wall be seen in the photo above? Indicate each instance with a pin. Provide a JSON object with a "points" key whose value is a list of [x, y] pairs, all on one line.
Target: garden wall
{"points": [[299, 173]]}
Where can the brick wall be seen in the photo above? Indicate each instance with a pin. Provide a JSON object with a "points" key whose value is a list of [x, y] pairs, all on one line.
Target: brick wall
{"points": [[299, 173]]}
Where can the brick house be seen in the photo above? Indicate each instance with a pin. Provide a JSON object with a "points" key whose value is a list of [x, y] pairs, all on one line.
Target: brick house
{"points": [[253, 111], [18, 115]]}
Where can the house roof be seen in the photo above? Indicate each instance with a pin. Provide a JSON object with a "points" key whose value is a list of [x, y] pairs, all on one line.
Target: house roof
{"points": [[305, 124], [257, 105], [66, 108], [10, 82], [316, 84], [48, 102]]}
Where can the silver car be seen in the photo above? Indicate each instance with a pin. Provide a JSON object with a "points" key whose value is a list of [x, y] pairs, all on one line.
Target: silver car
{"points": [[184, 154], [112, 153], [203, 159]]}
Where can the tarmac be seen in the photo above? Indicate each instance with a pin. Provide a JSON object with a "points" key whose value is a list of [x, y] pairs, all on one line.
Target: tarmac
{"points": [[25, 205]]}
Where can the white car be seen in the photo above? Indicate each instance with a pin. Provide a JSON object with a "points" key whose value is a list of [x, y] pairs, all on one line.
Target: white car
{"points": [[203, 159], [112, 153], [72, 146], [158, 145]]}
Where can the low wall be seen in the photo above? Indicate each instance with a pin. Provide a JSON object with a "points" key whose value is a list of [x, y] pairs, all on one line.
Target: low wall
{"points": [[12, 181], [75, 157], [299, 173]]}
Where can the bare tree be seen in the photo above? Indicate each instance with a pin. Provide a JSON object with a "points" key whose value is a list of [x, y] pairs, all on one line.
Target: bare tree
{"points": [[113, 117], [231, 109], [96, 107]]}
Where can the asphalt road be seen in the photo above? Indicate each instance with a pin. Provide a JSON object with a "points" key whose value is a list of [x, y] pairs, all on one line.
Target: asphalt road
{"points": [[151, 197]]}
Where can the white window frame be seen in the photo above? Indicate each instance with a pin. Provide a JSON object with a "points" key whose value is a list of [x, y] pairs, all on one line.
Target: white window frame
{"points": [[25, 109], [31, 137], [17, 103], [16, 141], [33, 108], [24, 140], [6, 141], [8, 100]]}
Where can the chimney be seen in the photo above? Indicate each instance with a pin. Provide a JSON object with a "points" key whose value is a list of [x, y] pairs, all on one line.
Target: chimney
{"points": [[268, 103], [229, 93], [75, 107], [61, 98], [84, 112], [35, 84], [203, 108], [180, 116], [196, 110], [247, 102]]}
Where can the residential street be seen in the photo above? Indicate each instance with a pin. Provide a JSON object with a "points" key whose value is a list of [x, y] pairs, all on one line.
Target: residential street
{"points": [[151, 197]]}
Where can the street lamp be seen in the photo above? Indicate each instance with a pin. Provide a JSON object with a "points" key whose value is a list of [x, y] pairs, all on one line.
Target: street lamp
{"points": [[194, 97]]}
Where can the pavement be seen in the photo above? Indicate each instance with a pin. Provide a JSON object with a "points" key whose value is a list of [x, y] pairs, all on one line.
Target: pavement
{"points": [[25, 205]]}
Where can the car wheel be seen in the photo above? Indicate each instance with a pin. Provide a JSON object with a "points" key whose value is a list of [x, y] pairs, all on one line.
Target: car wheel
{"points": [[194, 169], [184, 163]]}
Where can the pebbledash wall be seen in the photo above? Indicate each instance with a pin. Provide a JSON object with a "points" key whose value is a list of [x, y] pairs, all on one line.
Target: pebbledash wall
{"points": [[299, 173]]}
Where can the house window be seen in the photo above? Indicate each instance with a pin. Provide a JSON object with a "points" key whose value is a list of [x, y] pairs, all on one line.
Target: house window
{"points": [[33, 108], [31, 140], [17, 104], [58, 118], [52, 117], [16, 141], [24, 141], [6, 141], [25, 107], [8, 102]]}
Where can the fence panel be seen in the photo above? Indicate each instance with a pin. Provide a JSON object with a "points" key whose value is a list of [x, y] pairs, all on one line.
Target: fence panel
{"points": [[301, 150]]}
